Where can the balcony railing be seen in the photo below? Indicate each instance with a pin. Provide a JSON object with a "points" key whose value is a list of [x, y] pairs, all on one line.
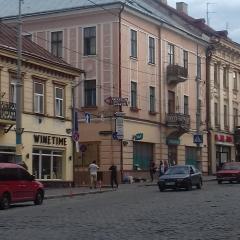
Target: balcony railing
{"points": [[178, 120], [176, 74], [7, 111]]}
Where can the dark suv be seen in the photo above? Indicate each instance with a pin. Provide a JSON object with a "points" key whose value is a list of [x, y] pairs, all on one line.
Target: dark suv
{"points": [[17, 185]]}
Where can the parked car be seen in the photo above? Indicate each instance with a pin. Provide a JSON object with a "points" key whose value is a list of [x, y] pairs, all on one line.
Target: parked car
{"points": [[180, 176], [230, 172], [18, 185]]}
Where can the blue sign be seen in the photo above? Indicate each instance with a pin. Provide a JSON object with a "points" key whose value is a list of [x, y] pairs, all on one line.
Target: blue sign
{"points": [[198, 138], [87, 117]]}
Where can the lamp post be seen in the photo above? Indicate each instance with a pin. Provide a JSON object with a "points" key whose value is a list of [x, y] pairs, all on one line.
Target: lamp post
{"points": [[19, 129]]}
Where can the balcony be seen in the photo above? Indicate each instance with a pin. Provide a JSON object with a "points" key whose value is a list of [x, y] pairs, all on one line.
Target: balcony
{"points": [[178, 120], [7, 115], [176, 74]]}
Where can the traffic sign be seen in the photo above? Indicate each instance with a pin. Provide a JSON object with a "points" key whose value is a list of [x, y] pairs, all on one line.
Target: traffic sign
{"points": [[75, 136], [198, 138]]}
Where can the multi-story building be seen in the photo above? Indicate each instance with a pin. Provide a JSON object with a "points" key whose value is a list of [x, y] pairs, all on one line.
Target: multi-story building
{"points": [[223, 100], [144, 62], [46, 108]]}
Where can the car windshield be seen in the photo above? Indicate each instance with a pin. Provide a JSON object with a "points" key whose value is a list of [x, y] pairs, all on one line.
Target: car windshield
{"points": [[231, 167], [177, 170]]}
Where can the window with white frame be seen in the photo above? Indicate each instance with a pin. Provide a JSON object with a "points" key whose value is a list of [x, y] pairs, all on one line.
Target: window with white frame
{"points": [[59, 101], [89, 35], [38, 97], [133, 43], [152, 98], [57, 43], [151, 50]]}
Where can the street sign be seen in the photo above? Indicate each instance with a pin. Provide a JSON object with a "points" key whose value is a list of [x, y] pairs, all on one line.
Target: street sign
{"points": [[198, 138], [75, 136], [87, 117], [119, 127], [116, 101]]}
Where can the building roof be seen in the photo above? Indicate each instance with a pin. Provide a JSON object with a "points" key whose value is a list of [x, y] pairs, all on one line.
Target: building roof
{"points": [[8, 41]]}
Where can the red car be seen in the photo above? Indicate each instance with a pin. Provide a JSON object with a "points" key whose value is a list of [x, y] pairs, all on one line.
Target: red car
{"points": [[230, 172], [17, 185]]}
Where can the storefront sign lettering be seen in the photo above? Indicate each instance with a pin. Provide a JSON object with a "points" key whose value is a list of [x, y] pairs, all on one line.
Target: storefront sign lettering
{"points": [[50, 140], [223, 138]]}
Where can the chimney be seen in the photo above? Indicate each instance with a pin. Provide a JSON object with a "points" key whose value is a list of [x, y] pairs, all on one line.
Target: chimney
{"points": [[182, 7], [162, 1]]}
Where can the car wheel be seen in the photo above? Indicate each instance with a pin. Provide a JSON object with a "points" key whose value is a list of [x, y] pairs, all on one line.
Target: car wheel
{"points": [[38, 198], [189, 186], [219, 181], [5, 201], [161, 189]]}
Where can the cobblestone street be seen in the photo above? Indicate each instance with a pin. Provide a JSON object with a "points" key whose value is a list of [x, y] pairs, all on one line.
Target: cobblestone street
{"points": [[132, 212]]}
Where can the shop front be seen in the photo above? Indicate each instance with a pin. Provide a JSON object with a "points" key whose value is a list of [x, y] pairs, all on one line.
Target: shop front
{"points": [[224, 150]]}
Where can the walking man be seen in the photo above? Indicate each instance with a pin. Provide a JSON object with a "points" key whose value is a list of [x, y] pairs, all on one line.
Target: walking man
{"points": [[93, 168], [113, 170]]}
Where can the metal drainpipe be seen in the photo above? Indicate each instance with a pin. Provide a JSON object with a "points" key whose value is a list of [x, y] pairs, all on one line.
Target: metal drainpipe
{"points": [[120, 85]]}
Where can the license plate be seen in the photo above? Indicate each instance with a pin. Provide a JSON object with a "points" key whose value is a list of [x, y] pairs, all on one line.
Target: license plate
{"points": [[170, 183]]}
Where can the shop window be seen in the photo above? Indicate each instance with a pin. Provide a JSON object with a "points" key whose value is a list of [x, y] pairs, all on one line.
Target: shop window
{"points": [[47, 164], [59, 102], [38, 97]]}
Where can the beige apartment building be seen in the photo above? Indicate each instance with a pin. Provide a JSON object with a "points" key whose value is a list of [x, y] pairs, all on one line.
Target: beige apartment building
{"points": [[46, 108], [138, 101]]}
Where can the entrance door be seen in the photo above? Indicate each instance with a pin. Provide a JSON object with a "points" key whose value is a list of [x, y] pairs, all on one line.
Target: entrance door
{"points": [[142, 155], [191, 156]]}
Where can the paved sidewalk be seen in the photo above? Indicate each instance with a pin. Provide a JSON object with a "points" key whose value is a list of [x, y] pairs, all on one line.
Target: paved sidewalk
{"points": [[51, 193]]}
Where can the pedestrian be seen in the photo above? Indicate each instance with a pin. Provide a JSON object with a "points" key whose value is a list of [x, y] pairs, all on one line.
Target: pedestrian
{"points": [[93, 169], [152, 169], [161, 168], [165, 165], [113, 170]]}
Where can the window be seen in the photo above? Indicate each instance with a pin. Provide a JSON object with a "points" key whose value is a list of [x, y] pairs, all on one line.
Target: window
{"points": [[215, 75], [185, 59], [13, 90], [152, 99], [216, 117], [171, 102], [59, 95], [56, 43], [171, 59], [225, 116], [90, 93], [90, 41], [133, 43], [47, 164], [199, 67], [133, 94], [235, 117], [38, 97], [28, 36], [151, 44], [225, 83], [235, 86], [186, 108]]}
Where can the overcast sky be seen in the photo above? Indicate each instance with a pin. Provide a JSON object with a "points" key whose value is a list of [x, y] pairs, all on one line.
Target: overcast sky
{"points": [[225, 14]]}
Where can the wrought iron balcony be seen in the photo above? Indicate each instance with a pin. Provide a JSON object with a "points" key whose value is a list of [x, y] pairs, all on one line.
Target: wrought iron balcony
{"points": [[7, 111], [176, 74], [178, 120]]}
